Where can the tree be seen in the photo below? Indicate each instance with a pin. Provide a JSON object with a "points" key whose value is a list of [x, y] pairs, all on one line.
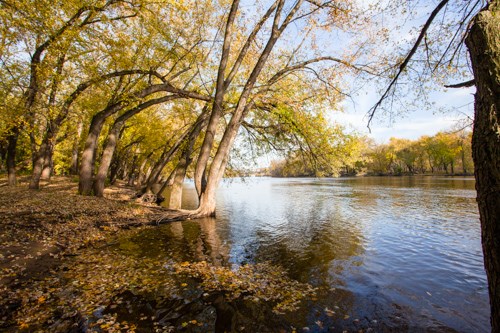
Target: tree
{"points": [[258, 61], [483, 42], [47, 34]]}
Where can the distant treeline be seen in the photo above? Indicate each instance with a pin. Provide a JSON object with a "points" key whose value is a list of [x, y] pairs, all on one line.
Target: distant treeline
{"points": [[444, 153]]}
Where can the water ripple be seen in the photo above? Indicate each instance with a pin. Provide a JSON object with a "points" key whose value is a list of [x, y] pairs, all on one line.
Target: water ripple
{"points": [[402, 252]]}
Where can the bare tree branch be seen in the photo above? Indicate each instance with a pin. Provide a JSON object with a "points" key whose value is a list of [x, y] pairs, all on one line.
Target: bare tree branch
{"points": [[465, 84], [407, 59]]}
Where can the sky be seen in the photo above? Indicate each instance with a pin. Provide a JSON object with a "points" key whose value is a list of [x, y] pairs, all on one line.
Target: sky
{"points": [[410, 125], [452, 106], [402, 33]]}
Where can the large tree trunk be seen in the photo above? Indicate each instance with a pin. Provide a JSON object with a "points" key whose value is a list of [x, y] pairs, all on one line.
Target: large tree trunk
{"points": [[218, 166], [107, 157], [217, 107], [185, 161], [166, 156], [42, 157], [168, 182], [42, 163], [132, 175], [142, 174], [48, 167], [207, 198], [208, 202], [87, 162], [176, 193], [223, 82], [483, 43]]}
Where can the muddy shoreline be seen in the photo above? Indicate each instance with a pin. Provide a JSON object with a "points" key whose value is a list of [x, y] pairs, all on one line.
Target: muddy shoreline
{"points": [[63, 270], [42, 232]]}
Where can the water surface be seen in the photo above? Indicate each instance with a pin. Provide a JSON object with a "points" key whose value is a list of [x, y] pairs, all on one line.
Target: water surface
{"points": [[388, 254]]}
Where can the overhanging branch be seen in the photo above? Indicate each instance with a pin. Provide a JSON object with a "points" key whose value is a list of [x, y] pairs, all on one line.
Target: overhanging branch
{"points": [[465, 84], [407, 59]]}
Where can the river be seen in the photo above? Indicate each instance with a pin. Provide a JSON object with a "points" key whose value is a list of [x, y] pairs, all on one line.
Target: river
{"points": [[388, 254]]}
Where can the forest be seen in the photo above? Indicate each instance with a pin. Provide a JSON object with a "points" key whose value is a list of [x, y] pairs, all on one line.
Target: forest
{"points": [[136, 96], [448, 153]]}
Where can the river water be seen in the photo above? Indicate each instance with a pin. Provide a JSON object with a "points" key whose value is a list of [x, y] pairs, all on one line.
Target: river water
{"points": [[387, 254]]}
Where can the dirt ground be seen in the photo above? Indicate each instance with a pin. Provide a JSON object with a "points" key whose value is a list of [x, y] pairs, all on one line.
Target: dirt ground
{"points": [[40, 230]]}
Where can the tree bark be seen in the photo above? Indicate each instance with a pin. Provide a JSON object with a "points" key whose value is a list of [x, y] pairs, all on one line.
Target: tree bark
{"points": [[142, 174], [42, 156], [87, 162], [167, 154], [107, 157], [168, 182], [222, 84], [218, 166], [483, 43], [175, 201], [132, 175], [217, 106], [184, 162], [155, 174], [48, 167], [88, 156]]}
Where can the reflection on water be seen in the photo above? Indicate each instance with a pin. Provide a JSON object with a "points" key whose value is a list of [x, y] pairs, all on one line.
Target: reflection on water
{"points": [[391, 254]]}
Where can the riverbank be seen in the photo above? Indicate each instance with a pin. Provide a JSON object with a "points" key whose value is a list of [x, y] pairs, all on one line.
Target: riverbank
{"points": [[70, 263], [41, 231]]}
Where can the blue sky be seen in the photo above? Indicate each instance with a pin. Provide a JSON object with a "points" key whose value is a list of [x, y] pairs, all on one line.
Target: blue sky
{"points": [[458, 104], [451, 106]]}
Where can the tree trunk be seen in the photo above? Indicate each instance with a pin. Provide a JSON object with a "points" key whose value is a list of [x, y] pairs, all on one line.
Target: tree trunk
{"points": [[217, 106], [38, 164], [11, 156], [218, 166], [176, 193], [146, 175], [113, 170], [113, 138], [483, 43], [88, 155], [87, 162], [168, 182], [184, 162], [166, 156], [179, 174], [106, 159], [207, 203], [47, 169], [142, 175]]}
